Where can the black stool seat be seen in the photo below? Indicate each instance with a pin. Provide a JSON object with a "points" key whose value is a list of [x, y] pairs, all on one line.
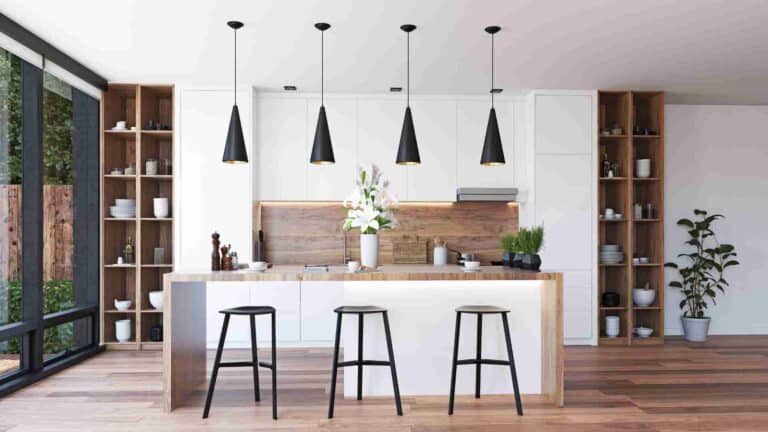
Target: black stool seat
{"points": [[249, 310], [481, 309], [478, 361], [359, 309]]}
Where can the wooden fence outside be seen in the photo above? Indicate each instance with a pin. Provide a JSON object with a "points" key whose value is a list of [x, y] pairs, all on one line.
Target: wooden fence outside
{"points": [[58, 240]]}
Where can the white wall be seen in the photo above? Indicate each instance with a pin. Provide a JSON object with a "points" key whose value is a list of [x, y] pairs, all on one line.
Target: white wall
{"points": [[716, 160]]}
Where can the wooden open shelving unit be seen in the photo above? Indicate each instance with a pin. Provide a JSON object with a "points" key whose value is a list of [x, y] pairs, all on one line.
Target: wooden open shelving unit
{"points": [[637, 237], [137, 104]]}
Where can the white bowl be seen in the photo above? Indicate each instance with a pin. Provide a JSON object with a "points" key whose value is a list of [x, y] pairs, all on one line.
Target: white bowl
{"points": [[156, 299], [258, 265], [643, 297], [609, 248], [125, 202], [123, 304], [122, 212], [643, 332], [472, 265]]}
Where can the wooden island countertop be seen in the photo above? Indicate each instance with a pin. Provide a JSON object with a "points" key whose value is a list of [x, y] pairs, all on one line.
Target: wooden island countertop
{"points": [[401, 272]]}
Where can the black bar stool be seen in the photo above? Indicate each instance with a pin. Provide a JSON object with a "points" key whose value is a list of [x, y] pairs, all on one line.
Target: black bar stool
{"points": [[478, 360], [360, 311], [251, 311]]}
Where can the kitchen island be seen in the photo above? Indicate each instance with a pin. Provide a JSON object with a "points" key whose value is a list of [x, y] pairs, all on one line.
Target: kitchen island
{"points": [[421, 300]]}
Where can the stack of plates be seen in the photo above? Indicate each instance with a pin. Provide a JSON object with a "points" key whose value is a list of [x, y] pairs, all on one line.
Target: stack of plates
{"points": [[124, 208], [611, 254]]}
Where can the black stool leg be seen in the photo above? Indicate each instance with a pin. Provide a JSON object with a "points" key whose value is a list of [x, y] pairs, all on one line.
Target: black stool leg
{"points": [[455, 359], [478, 356], [274, 368], [255, 359], [215, 373], [335, 365], [392, 365], [360, 356], [512, 368]]}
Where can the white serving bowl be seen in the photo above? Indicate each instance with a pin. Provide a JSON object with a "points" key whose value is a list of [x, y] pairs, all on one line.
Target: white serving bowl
{"points": [[472, 265], [122, 212], [643, 332], [643, 297], [125, 202], [156, 299], [258, 265], [123, 304]]}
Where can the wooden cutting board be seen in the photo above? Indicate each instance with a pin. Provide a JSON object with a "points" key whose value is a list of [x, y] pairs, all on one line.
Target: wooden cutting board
{"points": [[409, 250]]}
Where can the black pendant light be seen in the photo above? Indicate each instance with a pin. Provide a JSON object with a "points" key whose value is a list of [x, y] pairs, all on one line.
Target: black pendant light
{"points": [[322, 150], [408, 151], [493, 152], [234, 149]]}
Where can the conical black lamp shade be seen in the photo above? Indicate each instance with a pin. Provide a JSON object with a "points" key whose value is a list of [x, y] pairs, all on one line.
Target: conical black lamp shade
{"points": [[493, 152], [408, 151], [322, 150], [234, 148]]}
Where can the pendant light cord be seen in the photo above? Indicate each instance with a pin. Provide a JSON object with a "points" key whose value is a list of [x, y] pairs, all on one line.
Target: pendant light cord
{"points": [[322, 68], [235, 85], [408, 69], [492, 68]]}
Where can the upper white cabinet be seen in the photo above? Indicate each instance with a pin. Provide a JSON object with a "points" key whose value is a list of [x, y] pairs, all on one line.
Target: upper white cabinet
{"points": [[435, 178], [208, 194], [379, 122], [564, 124], [471, 122], [280, 155], [332, 182]]}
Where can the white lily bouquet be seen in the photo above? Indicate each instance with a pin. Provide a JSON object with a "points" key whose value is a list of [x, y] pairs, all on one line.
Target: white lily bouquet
{"points": [[371, 205], [370, 208]]}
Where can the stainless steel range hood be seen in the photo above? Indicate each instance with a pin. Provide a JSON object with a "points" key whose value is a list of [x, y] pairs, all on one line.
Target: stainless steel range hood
{"points": [[486, 194]]}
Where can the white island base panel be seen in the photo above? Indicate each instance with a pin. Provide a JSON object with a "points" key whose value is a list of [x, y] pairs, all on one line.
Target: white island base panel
{"points": [[422, 318]]}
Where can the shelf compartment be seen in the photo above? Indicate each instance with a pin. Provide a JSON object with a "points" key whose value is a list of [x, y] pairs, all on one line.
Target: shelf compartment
{"points": [[151, 280], [613, 194], [623, 325], [119, 103], [155, 189], [614, 110], [651, 318], [148, 321], [648, 110], [156, 105], [156, 235], [116, 235], [160, 148], [109, 329], [647, 241]]}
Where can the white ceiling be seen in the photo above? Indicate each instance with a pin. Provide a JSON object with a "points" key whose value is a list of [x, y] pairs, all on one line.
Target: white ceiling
{"points": [[701, 51]]}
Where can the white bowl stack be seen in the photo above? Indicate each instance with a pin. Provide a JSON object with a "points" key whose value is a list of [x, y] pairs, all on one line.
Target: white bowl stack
{"points": [[611, 254], [124, 208]]}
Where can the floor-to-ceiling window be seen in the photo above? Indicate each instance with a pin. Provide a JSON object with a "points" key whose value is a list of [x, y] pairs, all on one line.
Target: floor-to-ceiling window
{"points": [[49, 234]]}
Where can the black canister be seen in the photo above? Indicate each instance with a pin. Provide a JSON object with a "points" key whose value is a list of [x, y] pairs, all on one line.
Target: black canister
{"points": [[156, 333], [611, 299]]}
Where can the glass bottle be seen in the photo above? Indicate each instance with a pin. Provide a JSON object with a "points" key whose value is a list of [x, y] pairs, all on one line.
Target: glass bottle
{"points": [[128, 256], [606, 165]]}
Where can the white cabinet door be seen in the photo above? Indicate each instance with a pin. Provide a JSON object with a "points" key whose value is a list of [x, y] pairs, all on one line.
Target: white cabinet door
{"points": [[471, 122], [318, 300], [280, 156], [209, 195], [435, 178], [564, 206], [379, 122], [286, 298], [223, 295], [577, 304], [564, 124], [333, 182]]}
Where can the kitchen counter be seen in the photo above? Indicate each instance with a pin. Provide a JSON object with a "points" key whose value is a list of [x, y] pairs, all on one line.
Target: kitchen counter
{"points": [[421, 300], [402, 272]]}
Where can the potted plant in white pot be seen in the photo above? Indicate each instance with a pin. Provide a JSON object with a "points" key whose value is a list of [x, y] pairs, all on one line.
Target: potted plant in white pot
{"points": [[701, 272], [370, 209]]}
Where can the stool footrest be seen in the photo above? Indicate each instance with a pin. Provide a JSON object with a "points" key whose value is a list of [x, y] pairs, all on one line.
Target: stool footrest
{"points": [[364, 363], [483, 361], [245, 364]]}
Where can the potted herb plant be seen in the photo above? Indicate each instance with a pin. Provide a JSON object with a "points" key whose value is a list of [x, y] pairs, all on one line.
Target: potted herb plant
{"points": [[701, 271], [510, 249], [530, 242], [370, 208]]}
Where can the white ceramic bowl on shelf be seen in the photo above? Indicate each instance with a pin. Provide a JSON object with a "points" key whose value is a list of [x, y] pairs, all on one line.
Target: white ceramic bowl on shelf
{"points": [[643, 332], [643, 297], [472, 265], [156, 299], [123, 305], [122, 212], [125, 202]]}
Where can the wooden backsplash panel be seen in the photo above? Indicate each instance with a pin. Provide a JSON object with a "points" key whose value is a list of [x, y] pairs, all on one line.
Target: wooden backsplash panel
{"points": [[299, 233]]}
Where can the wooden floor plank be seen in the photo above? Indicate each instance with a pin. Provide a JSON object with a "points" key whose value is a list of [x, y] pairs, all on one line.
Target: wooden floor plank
{"points": [[721, 385]]}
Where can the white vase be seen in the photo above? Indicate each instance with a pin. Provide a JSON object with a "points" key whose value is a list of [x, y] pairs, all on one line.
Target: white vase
{"points": [[369, 250], [160, 207], [123, 330], [612, 327]]}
